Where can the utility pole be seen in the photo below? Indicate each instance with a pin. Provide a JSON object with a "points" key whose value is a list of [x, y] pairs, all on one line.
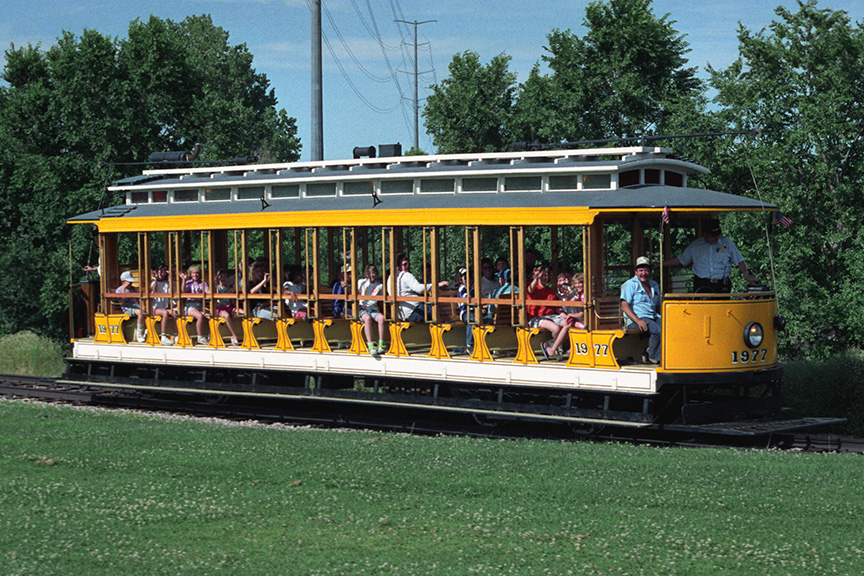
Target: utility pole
{"points": [[316, 148], [416, 76]]}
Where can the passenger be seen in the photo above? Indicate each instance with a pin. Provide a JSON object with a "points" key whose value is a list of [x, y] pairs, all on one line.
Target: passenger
{"points": [[370, 285], [504, 290], [457, 278], [132, 306], [162, 306], [500, 266], [488, 283], [530, 259], [640, 303], [193, 284], [224, 306], [293, 286], [711, 258], [407, 285], [466, 312], [506, 285], [573, 316], [259, 283], [577, 294], [540, 315], [341, 287]]}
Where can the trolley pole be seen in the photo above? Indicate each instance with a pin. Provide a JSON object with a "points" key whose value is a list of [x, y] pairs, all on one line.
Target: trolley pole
{"points": [[416, 76]]}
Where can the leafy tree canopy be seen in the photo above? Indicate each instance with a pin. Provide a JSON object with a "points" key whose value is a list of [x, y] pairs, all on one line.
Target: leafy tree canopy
{"points": [[802, 80], [92, 99], [470, 110], [627, 76]]}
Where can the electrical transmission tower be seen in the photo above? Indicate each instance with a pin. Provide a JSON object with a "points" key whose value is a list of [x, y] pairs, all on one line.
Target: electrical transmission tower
{"points": [[416, 76]]}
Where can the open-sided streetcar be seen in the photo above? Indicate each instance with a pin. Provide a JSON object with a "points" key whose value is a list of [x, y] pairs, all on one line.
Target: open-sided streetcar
{"points": [[257, 232]]}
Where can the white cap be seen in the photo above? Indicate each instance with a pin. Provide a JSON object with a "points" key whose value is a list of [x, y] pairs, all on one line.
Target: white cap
{"points": [[127, 277], [643, 261]]}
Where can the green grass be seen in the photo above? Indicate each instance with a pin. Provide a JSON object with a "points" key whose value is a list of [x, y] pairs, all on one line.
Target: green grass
{"points": [[85, 492], [28, 354], [833, 387]]}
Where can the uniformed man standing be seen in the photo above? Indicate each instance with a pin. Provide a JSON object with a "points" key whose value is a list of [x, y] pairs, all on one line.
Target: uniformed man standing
{"points": [[711, 258]]}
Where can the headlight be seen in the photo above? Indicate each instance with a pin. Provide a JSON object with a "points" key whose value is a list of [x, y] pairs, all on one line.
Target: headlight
{"points": [[753, 334]]}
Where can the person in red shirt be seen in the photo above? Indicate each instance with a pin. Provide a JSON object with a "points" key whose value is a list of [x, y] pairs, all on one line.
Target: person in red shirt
{"points": [[541, 316]]}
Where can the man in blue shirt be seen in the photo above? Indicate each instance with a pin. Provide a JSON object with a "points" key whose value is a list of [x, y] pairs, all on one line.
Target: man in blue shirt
{"points": [[712, 257], [640, 303]]}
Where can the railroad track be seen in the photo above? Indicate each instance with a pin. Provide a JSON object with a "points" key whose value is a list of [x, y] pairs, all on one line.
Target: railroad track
{"points": [[416, 421]]}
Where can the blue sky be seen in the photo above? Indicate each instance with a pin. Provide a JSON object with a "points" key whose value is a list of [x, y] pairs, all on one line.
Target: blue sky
{"points": [[368, 107]]}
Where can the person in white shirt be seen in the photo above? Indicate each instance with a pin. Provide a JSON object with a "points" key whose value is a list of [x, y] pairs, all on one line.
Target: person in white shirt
{"points": [[711, 258], [488, 282], [407, 285]]}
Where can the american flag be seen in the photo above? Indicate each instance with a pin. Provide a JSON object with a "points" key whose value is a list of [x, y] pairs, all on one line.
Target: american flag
{"points": [[782, 219], [665, 215]]}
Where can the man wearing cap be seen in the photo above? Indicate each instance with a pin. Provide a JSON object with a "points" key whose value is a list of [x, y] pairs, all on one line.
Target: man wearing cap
{"points": [[711, 257], [640, 302]]}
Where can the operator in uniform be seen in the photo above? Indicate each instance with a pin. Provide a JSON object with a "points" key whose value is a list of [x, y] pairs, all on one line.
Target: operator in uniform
{"points": [[711, 257]]}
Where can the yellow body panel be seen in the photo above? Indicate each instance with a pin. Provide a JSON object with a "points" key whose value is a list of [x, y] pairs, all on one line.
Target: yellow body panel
{"points": [[109, 328], [705, 335], [593, 349]]}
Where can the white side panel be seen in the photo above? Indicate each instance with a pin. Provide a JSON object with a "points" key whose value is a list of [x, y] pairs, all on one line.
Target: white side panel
{"points": [[462, 370]]}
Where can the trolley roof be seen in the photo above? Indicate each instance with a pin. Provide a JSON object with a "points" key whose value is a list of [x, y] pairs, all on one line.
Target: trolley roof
{"points": [[532, 188]]}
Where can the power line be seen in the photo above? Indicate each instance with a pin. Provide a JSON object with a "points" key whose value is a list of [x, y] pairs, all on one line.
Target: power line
{"points": [[354, 88], [377, 33], [379, 79]]}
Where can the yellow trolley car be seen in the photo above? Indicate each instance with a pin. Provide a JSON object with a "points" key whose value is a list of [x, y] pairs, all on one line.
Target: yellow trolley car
{"points": [[592, 211]]}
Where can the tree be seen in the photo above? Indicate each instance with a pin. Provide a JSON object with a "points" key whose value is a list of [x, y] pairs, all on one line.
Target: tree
{"points": [[470, 110], [92, 99], [625, 77], [802, 81]]}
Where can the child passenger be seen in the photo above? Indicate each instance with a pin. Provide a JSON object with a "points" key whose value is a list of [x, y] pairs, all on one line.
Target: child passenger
{"points": [[162, 304], [540, 315], [131, 306], [370, 285], [466, 313], [259, 283], [573, 316], [193, 284], [225, 307], [341, 287], [293, 286]]}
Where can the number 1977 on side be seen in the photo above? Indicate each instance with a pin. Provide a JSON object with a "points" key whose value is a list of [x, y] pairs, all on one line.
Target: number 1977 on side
{"points": [[749, 356]]}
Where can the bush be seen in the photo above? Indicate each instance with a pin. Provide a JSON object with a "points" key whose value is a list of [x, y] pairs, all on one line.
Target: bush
{"points": [[833, 387], [29, 354]]}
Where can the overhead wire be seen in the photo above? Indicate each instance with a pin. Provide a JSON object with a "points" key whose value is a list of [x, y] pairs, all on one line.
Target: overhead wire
{"points": [[405, 102], [370, 75], [377, 34], [342, 70], [354, 88]]}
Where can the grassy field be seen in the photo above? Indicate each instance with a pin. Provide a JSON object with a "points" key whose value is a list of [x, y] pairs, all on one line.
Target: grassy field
{"points": [[28, 354], [87, 492]]}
